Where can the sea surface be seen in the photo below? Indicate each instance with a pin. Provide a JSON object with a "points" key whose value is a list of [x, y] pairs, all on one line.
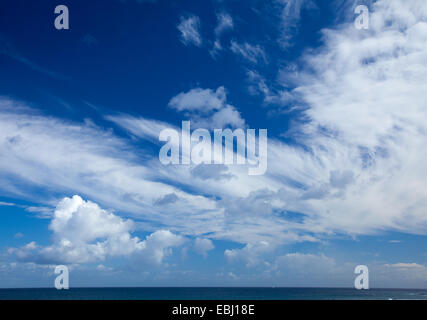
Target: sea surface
{"points": [[212, 294]]}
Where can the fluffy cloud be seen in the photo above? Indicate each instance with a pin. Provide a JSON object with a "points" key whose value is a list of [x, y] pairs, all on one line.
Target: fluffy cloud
{"points": [[207, 108], [202, 100], [83, 233], [190, 31], [202, 246], [250, 253]]}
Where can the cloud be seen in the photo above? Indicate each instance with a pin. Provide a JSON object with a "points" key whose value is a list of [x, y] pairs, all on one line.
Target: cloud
{"points": [[202, 246], [7, 49], [290, 17], [7, 204], [300, 263], [403, 265], [84, 233], [225, 23], [51, 157], [143, 128], [355, 87], [159, 245], [251, 53], [190, 31], [212, 171], [207, 108], [250, 253], [281, 99], [202, 100]]}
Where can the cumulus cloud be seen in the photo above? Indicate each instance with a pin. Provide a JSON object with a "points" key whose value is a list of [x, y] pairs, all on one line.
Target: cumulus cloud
{"points": [[83, 233], [207, 108], [250, 254], [190, 30], [203, 245], [203, 100]]}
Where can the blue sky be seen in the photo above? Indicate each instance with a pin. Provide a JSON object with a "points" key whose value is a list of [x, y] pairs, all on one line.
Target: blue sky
{"points": [[81, 111]]}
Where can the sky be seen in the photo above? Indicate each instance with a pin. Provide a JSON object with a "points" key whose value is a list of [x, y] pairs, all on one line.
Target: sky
{"points": [[82, 109]]}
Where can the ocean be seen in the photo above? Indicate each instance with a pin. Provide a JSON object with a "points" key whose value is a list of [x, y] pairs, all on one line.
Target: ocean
{"points": [[212, 294]]}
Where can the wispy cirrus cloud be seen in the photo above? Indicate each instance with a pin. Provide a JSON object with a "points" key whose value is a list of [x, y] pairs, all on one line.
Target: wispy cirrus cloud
{"points": [[251, 53], [225, 23], [290, 18], [7, 49], [189, 27]]}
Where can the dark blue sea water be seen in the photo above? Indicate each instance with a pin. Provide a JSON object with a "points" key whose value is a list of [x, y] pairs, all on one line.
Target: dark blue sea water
{"points": [[211, 294]]}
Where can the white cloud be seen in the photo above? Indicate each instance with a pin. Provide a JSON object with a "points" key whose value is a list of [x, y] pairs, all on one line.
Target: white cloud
{"points": [[356, 88], [281, 98], [143, 128], [300, 263], [404, 265], [7, 204], [252, 53], [190, 31], [211, 172], [202, 246], [159, 245], [7, 49], [290, 18], [207, 108], [202, 100], [250, 253], [83, 233], [53, 157], [225, 23]]}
